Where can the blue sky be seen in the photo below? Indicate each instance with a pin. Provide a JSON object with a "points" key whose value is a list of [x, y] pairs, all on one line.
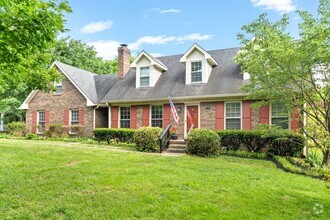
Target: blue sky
{"points": [[167, 27]]}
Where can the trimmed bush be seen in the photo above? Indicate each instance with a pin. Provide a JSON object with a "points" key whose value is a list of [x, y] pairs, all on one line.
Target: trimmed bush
{"points": [[31, 136], [117, 134], [203, 142], [16, 128], [77, 130], [277, 141], [57, 131], [146, 139]]}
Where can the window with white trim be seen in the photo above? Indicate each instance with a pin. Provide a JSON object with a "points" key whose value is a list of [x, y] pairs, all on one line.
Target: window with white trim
{"points": [[233, 116], [58, 86], [279, 115], [144, 76], [125, 117], [41, 122], [196, 71], [74, 117], [157, 116]]}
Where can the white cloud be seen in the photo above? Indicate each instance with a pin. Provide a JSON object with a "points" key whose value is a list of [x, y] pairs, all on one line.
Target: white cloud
{"points": [[169, 11], [163, 11], [161, 39], [106, 48], [96, 27], [281, 6]]}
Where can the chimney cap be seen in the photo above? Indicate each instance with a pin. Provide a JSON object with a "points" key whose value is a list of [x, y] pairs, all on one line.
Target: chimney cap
{"points": [[123, 45]]}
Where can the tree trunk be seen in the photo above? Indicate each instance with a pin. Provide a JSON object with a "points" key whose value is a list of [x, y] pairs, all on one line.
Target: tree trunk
{"points": [[325, 157]]}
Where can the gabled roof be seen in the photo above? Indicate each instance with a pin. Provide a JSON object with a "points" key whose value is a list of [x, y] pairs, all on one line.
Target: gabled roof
{"points": [[153, 60], [195, 46], [225, 80], [86, 82]]}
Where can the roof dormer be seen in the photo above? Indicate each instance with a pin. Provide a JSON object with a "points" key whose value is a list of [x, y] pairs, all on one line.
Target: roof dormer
{"points": [[148, 70], [199, 64]]}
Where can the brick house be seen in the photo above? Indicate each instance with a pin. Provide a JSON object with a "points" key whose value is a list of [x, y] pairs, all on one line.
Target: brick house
{"points": [[205, 83]]}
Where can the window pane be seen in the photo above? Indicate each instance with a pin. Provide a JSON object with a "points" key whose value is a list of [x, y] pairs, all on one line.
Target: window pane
{"points": [[41, 121], [74, 117], [196, 71], [233, 109], [196, 76], [283, 122], [58, 86], [144, 81], [144, 71], [157, 116], [279, 110], [233, 124], [125, 116], [196, 66]]}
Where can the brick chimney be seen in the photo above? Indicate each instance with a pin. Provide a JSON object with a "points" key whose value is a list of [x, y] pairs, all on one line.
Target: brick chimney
{"points": [[124, 55]]}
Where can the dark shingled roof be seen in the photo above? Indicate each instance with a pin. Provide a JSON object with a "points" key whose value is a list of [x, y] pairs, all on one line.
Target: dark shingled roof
{"points": [[224, 79]]}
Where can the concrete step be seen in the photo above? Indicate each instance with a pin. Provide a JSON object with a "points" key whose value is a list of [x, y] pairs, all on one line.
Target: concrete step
{"points": [[175, 150], [177, 146], [177, 141]]}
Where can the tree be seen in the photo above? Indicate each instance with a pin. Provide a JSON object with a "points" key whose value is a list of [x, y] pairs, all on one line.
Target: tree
{"points": [[294, 73], [79, 54], [28, 30]]}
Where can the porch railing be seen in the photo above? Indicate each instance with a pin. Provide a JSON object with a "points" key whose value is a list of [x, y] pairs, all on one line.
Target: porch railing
{"points": [[191, 127], [164, 138]]}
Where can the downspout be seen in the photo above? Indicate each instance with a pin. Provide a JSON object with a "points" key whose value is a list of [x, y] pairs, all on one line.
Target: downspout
{"points": [[109, 115], [94, 116]]}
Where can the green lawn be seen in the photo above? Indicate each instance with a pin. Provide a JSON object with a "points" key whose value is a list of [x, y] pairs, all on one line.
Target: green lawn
{"points": [[41, 180]]}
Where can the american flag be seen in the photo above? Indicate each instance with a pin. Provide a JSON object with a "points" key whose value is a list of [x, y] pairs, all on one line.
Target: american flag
{"points": [[175, 114]]}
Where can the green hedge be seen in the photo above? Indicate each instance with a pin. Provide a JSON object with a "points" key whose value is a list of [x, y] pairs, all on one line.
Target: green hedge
{"points": [[146, 139], [16, 128], [117, 134], [277, 142], [203, 142]]}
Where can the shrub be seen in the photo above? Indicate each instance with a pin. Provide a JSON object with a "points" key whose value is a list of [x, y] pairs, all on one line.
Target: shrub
{"points": [[117, 134], [203, 142], [315, 157], [57, 131], [277, 141], [31, 136], [16, 128], [146, 139], [243, 153], [77, 130]]}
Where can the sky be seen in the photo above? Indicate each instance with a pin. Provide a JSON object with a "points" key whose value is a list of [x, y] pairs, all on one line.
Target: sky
{"points": [[169, 27]]}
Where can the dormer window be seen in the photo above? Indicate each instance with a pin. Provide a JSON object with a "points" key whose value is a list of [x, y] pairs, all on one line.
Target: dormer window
{"points": [[148, 70], [58, 86], [199, 65], [144, 76], [196, 71]]}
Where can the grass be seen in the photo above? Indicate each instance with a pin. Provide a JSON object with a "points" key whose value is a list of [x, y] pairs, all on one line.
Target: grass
{"points": [[57, 180]]}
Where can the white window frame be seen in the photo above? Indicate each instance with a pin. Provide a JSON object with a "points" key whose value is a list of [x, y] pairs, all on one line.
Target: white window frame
{"points": [[271, 117], [119, 114], [38, 121], [150, 115], [58, 84], [191, 72], [144, 67], [75, 122], [225, 114]]}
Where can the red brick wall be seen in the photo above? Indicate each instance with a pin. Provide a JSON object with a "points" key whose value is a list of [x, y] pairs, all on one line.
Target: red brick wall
{"points": [[55, 106]]}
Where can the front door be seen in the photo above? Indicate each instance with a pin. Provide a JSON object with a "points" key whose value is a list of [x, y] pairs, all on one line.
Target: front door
{"points": [[192, 110]]}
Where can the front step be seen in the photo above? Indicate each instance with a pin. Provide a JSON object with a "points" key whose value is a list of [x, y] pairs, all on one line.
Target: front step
{"points": [[177, 146]]}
